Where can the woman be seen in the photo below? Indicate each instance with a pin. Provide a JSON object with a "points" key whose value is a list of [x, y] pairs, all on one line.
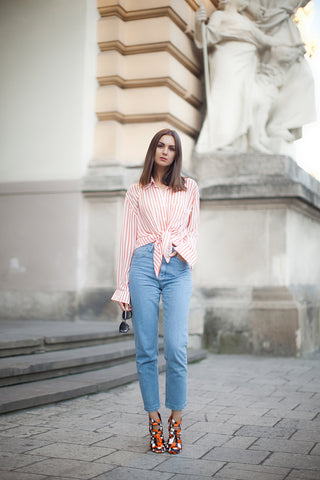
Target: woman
{"points": [[157, 251]]}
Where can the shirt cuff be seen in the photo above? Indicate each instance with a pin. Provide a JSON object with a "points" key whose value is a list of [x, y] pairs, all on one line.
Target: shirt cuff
{"points": [[188, 253], [121, 296]]}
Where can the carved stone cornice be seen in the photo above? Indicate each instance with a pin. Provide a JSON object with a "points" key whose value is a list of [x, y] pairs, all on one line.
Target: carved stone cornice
{"points": [[151, 82], [147, 118], [223, 175], [193, 4], [116, 45], [196, 4], [127, 16]]}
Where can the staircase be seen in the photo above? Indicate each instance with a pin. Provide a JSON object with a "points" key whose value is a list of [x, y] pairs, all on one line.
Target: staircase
{"points": [[46, 362]]}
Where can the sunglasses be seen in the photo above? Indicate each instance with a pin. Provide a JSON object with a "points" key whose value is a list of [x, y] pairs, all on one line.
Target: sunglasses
{"points": [[124, 326]]}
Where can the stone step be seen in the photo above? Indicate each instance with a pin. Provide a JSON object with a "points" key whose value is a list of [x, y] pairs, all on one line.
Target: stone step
{"points": [[32, 394], [38, 366], [27, 337]]}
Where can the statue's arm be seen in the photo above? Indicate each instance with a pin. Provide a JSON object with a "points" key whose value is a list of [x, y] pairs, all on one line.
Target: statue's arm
{"points": [[200, 17], [212, 33], [264, 40]]}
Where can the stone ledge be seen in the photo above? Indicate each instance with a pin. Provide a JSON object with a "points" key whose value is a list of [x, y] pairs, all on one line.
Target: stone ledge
{"points": [[151, 48], [165, 81], [127, 15], [112, 178], [147, 118], [234, 176]]}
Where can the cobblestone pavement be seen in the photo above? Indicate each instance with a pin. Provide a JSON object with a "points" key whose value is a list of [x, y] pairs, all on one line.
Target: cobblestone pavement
{"points": [[248, 418]]}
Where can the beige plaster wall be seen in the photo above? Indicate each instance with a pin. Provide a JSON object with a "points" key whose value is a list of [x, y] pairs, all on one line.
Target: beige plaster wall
{"points": [[39, 237], [127, 144], [103, 220], [48, 61], [149, 78]]}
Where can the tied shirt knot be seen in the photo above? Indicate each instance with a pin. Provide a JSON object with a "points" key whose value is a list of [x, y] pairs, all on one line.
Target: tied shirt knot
{"points": [[162, 248]]}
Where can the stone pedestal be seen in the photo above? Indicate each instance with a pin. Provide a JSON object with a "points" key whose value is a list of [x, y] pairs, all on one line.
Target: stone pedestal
{"points": [[258, 276]]}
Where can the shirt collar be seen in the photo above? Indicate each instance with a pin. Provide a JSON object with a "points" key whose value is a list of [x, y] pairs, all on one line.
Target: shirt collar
{"points": [[152, 183]]}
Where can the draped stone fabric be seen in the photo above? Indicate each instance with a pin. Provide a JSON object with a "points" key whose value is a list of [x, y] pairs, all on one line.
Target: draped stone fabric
{"points": [[295, 104], [233, 65], [261, 86]]}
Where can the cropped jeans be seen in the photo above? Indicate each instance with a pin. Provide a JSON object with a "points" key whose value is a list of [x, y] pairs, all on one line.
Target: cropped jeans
{"points": [[175, 285]]}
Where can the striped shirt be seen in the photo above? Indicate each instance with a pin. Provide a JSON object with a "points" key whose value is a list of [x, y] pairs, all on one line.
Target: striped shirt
{"points": [[166, 218]]}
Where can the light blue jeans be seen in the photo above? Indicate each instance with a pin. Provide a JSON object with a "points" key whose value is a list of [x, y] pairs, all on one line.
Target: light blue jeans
{"points": [[175, 285]]}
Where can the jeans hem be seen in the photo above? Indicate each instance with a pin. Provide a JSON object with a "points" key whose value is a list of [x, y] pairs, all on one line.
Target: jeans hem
{"points": [[170, 407], [152, 409]]}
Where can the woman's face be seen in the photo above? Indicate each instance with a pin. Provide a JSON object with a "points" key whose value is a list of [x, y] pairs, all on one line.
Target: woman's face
{"points": [[165, 152]]}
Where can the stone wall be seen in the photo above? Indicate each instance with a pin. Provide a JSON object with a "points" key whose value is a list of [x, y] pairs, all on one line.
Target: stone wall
{"points": [[259, 272], [48, 56]]}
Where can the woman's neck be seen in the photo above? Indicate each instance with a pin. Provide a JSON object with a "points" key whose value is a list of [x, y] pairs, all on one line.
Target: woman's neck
{"points": [[158, 176], [159, 183]]}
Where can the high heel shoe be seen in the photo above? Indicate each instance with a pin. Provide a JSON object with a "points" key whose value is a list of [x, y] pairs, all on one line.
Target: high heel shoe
{"points": [[174, 444], [156, 435]]}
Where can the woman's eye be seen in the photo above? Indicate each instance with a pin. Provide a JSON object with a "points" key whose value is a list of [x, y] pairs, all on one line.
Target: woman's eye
{"points": [[161, 145]]}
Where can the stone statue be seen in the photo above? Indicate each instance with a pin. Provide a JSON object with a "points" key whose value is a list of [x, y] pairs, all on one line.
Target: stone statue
{"points": [[233, 64], [261, 88], [294, 105], [271, 78]]}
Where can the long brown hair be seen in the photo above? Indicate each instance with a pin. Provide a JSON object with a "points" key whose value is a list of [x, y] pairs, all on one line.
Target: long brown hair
{"points": [[172, 177]]}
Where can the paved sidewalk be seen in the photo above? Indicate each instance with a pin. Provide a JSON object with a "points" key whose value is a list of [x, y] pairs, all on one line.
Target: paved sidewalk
{"points": [[248, 418]]}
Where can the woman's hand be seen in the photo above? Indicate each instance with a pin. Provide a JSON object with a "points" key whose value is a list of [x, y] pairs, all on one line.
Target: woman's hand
{"points": [[178, 255], [125, 306]]}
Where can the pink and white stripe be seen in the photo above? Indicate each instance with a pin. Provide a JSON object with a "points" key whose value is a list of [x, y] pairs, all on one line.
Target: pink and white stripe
{"points": [[163, 217]]}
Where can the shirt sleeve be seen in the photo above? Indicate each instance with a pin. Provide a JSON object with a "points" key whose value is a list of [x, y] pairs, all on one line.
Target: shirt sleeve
{"points": [[127, 245], [187, 248]]}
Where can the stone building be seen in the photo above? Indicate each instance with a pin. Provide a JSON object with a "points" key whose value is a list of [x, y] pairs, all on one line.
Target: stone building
{"points": [[85, 85]]}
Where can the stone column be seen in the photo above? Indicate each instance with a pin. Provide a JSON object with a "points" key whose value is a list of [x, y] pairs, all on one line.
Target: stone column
{"points": [[258, 277]]}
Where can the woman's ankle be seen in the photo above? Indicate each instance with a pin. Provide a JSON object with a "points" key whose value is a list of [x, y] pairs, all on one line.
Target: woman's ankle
{"points": [[154, 415], [176, 415]]}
